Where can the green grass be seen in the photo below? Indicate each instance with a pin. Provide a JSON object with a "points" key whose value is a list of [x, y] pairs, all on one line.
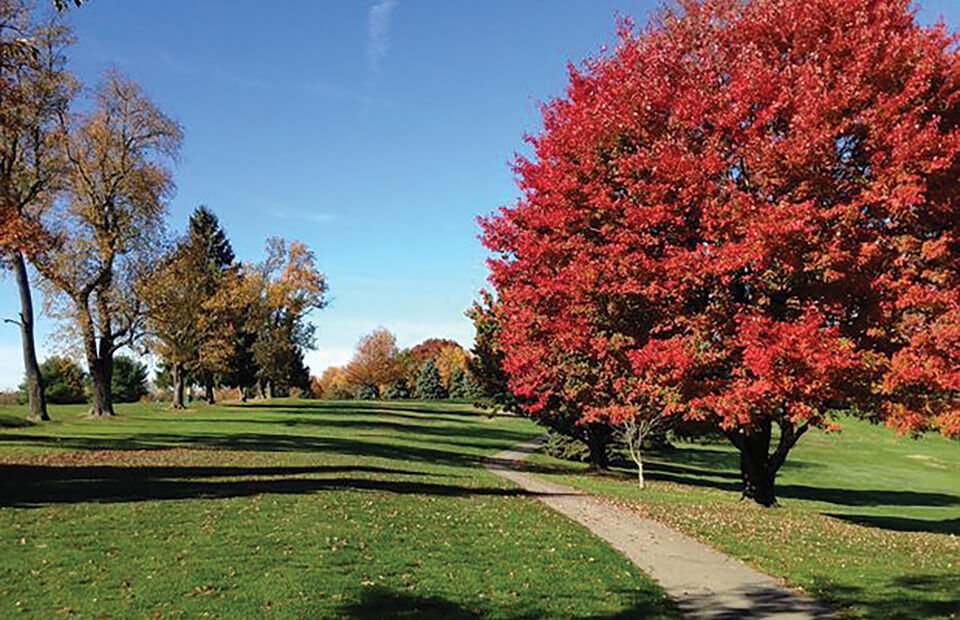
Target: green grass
{"points": [[867, 520], [292, 510]]}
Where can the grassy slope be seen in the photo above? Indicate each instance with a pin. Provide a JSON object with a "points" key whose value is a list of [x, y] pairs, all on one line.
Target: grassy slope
{"points": [[323, 510], [867, 519]]}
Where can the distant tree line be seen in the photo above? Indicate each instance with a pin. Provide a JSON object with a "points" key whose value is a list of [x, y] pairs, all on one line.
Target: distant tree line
{"points": [[434, 369]]}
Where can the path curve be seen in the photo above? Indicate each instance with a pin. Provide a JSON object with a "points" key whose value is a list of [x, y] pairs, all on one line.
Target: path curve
{"points": [[705, 583]]}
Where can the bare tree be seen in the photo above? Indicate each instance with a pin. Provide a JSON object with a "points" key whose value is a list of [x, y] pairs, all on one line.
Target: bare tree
{"points": [[635, 430]]}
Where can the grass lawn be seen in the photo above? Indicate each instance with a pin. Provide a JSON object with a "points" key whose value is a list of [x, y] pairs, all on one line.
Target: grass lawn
{"points": [[867, 520], [290, 510]]}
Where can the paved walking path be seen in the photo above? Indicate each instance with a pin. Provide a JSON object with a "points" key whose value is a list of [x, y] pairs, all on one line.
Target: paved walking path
{"points": [[705, 583]]}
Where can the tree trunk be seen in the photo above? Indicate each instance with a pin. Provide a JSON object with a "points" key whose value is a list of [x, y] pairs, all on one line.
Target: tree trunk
{"points": [[756, 470], [208, 387], [177, 372], [268, 392], [598, 436], [259, 390], [101, 372], [38, 404], [101, 368]]}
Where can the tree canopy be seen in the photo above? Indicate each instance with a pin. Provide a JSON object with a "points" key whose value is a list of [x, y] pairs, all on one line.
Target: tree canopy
{"points": [[746, 213]]}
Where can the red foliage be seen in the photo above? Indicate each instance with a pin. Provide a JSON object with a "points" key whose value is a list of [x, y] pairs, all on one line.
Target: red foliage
{"points": [[747, 212], [430, 348]]}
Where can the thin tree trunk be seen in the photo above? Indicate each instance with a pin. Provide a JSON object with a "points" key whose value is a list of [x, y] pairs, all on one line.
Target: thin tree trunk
{"points": [[34, 381], [177, 372], [268, 393], [634, 438]]}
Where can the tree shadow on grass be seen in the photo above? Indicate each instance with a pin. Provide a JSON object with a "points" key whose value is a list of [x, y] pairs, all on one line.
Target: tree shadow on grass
{"points": [[33, 486], [421, 427], [829, 495], [719, 469], [904, 524], [257, 442], [383, 604], [754, 602], [323, 415], [902, 598], [359, 406], [12, 421]]}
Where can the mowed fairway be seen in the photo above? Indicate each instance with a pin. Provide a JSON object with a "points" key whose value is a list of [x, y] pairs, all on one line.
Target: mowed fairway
{"points": [[290, 510], [867, 520]]}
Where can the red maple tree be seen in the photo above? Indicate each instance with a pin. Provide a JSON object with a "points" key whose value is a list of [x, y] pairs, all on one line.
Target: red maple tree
{"points": [[748, 212]]}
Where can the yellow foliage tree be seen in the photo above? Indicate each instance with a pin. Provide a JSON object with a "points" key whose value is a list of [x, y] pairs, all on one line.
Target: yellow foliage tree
{"points": [[451, 358]]}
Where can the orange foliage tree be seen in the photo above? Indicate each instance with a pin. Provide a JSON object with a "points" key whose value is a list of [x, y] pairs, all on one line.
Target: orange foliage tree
{"points": [[35, 90], [117, 187], [374, 364]]}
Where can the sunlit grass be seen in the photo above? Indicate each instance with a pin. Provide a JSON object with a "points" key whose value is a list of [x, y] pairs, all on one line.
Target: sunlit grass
{"points": [[296, 509], [866, 519]]}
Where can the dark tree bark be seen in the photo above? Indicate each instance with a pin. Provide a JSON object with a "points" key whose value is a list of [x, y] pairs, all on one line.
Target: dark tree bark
{"points": [[598, 438], [755, 467], [101, 374], [177, 373], [34, 382], [100, 362], [208, 389], [758, 467]]}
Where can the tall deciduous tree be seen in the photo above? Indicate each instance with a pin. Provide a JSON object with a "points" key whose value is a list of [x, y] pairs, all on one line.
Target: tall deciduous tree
{"points": [[374, 364], [111, 221], [35, 89], [450, 359], [288, 287], [174, 304], [334, 383], [747, 213]]}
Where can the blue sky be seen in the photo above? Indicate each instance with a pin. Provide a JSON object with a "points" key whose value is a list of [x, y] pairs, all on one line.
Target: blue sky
{"points": [[373, 130]]}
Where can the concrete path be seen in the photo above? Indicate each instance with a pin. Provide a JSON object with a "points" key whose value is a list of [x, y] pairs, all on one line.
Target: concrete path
{"points": [[705, 583]]}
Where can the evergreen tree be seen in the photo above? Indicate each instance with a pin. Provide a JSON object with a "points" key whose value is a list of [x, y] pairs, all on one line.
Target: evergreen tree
{"points": [[64, 382], [459, 384], [429, 385], [129, 381], [207, 237], [399, 389], [208, 243]]}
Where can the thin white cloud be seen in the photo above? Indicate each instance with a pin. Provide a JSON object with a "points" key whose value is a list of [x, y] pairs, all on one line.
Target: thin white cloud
{"points": [[314, 217], [378, 31]]}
